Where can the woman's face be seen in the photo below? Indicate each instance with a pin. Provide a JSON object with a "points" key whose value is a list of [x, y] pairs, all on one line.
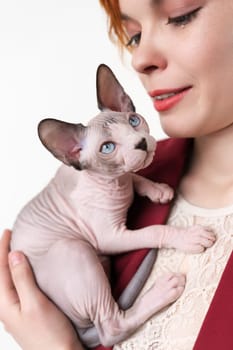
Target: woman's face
{"points": [[183, 53]]}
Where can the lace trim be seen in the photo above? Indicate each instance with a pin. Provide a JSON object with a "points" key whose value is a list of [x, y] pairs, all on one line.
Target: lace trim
{"points": [[177, 326]]}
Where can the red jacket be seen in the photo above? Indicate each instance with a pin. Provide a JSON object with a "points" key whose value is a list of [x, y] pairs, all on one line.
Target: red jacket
{"points": [[170, 160]]}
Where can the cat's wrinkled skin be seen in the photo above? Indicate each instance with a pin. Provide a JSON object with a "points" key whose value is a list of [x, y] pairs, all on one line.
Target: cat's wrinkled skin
{"points": [[69, 228]]}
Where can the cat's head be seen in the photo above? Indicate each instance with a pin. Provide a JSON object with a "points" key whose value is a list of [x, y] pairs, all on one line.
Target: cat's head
{"points": [[114, 142]]}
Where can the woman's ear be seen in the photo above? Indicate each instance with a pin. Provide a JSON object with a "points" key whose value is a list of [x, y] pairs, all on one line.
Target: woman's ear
{"points": [[110, 93], [63, 140]]}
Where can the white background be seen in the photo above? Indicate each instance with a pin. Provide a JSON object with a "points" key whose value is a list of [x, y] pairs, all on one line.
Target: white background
{"points": [[49, 52]]}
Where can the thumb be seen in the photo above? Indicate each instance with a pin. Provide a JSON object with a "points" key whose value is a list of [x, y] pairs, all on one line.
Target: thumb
{"points": [[23, 280]]}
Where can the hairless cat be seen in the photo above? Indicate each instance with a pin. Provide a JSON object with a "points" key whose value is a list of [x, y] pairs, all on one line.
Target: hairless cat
{"points": [[71, 227]]}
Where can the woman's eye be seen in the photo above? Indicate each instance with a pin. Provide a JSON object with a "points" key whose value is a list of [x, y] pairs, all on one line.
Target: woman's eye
{"points": [[107, 147], [184, 19], [134, 120], [134, 40]]}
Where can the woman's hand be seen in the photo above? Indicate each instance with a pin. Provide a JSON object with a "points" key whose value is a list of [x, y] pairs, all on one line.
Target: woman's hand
{"points": [[27, 314]]}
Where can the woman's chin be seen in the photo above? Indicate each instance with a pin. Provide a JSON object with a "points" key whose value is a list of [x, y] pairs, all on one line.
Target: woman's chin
{"points": [[177, 131]]}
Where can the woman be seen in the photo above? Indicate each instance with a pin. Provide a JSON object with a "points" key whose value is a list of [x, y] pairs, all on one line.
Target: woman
{"points": [[182, 51]]}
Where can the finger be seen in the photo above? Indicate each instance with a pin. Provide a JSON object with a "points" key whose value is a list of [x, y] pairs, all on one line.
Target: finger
{"points": [[4, 247], [6, 284], [24, 280]]}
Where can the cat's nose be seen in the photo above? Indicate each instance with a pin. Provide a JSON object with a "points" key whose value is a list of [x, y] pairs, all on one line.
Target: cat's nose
{"points": [[142, 144]]}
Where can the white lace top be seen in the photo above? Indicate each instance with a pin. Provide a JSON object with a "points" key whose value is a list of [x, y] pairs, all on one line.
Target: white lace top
{"points": [[177, 326]]}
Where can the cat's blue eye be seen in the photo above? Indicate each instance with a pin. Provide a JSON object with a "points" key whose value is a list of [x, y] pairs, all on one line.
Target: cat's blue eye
{"points": [[107, 147], [134, 120]]}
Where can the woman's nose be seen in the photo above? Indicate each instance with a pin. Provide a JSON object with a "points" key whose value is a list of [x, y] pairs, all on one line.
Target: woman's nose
{"points": [[149, 56]]}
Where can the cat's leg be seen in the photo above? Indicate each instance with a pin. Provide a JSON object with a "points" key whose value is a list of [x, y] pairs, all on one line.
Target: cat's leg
{"points": [[156, 192], [119, 325], [73, 277], [89, 336], [194, 239], [137, 282]]}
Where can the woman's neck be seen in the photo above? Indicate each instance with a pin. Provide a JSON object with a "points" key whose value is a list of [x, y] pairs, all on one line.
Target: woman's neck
{"points": [[209, 180]]}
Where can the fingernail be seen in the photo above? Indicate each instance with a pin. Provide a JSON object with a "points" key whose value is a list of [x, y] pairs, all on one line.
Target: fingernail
{"points": [[15, 258]]}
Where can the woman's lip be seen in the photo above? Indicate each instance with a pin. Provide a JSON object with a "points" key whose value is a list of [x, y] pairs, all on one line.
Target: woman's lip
{"points": [[160, 92], [168, 102]]}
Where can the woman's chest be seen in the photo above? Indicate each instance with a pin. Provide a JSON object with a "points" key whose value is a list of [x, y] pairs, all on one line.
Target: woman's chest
{"points": [[178, 325]]}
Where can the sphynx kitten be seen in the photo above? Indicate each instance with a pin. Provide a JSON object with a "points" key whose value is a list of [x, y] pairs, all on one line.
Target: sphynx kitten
{"points": [[68, 230]]}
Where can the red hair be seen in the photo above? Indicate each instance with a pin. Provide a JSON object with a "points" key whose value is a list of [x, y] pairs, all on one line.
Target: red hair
{"points": [[115, 28]]}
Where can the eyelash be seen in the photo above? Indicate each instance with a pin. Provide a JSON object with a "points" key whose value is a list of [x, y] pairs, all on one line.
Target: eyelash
{"points": [[134, 40], [184, 19], [176, 21]]}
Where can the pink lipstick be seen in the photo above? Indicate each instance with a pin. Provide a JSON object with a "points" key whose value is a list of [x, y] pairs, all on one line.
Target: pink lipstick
{"points": [[166, 99]]}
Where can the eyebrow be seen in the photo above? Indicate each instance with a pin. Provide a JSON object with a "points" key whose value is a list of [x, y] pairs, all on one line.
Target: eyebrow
{"points": [[152, 3]]}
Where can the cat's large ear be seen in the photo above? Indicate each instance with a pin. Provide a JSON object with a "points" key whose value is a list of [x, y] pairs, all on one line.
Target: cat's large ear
{"points": [[110, 93], [63, 140]]}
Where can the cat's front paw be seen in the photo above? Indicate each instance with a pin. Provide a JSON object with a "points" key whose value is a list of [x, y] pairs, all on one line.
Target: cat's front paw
{"points": [[200, 238], [161, 193], [167, 288], [194, 239]]}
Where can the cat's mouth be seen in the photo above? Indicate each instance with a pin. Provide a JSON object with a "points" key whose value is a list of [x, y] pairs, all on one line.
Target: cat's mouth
{"points": [[136, 161]]}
